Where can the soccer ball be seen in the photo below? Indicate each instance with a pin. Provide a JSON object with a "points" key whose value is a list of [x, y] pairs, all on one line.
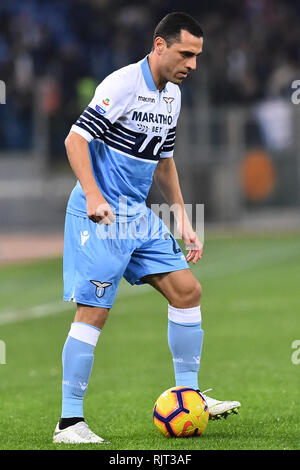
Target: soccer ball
{"points": [[180, 412]]}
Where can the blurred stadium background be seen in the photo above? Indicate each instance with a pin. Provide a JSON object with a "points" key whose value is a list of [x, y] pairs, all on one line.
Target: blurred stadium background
{"points": [[237, 152], [238, 144]]}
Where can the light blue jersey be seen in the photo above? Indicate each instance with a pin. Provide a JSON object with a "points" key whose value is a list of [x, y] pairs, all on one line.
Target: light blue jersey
{"points": [[129, 125]]}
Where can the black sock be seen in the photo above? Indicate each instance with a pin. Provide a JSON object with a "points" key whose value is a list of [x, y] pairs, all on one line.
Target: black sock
{"points": [[66, 422]]}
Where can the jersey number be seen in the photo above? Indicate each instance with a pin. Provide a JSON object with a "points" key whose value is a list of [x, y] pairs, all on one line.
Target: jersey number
{"points": [[146, 148]]}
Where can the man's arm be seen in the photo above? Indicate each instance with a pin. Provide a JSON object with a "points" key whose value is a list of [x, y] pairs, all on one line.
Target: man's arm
{"points": [[166, 177], [98, 209]]}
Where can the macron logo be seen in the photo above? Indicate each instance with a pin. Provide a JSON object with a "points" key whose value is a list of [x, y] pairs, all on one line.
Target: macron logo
{"points": [[146, 99], [178, 359], [83, 385], [84, 237]]}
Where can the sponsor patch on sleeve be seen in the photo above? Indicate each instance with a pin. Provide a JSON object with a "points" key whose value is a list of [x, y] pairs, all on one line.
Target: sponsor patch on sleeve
{"points": [[100, 109]]}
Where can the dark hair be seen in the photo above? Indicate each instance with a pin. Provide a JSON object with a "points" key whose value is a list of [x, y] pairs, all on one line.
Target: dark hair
{"points": [[169, 28]]}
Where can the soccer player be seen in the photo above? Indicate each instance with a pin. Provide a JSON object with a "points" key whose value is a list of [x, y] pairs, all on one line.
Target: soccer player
{"points": [[124, 137]]}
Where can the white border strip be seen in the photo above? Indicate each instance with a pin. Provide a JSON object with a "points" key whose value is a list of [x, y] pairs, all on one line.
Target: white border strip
{"points": [[184, 315], [86, 333]]}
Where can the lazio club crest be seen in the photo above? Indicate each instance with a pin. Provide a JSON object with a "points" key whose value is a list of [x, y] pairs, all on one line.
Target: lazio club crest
{"points": [[100, 287], [168, 102]]}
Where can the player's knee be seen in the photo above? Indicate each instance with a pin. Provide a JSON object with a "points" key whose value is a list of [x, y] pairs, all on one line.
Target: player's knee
{"points": [[188, 296], [196, 293], [95, 316]]}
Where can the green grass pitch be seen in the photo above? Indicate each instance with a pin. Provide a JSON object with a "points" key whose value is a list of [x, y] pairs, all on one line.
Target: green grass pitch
{"points": [[250, 316]]}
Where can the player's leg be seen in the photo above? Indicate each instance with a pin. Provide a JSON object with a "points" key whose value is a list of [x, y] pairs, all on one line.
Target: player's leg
{"points": [[78, 359], [95, 316], [185, 335], [161, 263], [180, 288], [93, 285]]}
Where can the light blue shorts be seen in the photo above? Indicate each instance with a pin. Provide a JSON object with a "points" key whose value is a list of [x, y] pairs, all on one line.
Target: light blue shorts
{"points": [[96, 257]]}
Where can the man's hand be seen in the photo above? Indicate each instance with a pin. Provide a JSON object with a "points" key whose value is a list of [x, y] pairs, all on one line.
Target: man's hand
{"points": [[99, 211], [194, 246], [191, 241]]}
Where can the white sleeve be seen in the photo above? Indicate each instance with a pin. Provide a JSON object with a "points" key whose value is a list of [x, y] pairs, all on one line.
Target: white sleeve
{"points": [[108, 104], [167, 149]]}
